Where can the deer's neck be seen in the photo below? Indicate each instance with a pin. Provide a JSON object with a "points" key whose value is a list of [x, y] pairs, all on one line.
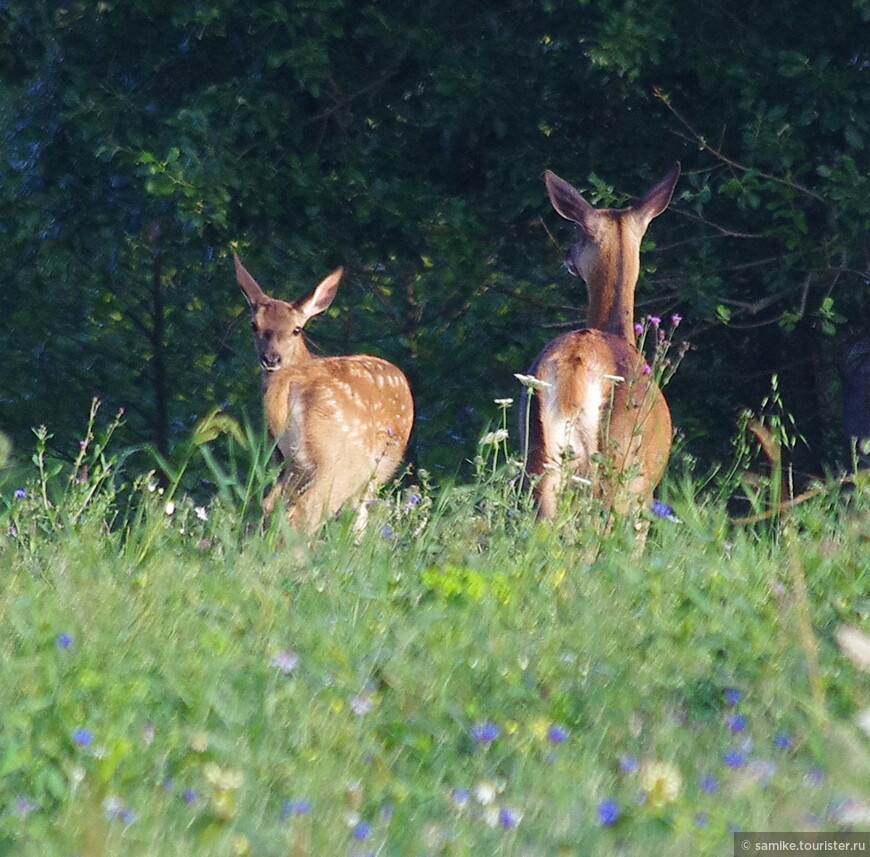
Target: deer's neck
{"points": [[611, 284]]}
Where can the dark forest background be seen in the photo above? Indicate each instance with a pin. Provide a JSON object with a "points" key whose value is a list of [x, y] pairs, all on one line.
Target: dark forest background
{"points": [[143, 140]]}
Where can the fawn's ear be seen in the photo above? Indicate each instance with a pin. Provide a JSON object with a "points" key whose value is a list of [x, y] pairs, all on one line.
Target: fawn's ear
{"points": [[321, 296], [657, 198], [249, 285]]}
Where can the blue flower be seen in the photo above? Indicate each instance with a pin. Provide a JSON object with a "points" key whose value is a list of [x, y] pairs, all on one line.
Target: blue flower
{"points": [[732, 695], [709, 785], [460, 797], [20, 493], [629, 764], [361, 830], [664, 510], [733, 758], [782, 740], [127, 815], [64, 640], [557, 733], [298, 806], [608, 812], [388, 532], [82, 737], [188, 796], [508, 818], [736, 722], [485, 732]]}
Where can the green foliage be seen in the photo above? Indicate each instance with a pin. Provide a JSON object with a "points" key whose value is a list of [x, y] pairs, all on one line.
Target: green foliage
{"points": [[459, 679]]}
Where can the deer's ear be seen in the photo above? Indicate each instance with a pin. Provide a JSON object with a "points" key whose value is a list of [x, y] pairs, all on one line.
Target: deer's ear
{"points": [[657, 198], [249, 285], [321, 296], [566, 199]]}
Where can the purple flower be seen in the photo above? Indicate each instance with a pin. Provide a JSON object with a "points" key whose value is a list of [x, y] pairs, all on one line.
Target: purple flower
{"points": [[708, 785], [732, 695], [646, 369], [661, 509], [64, 640], [508, 818], [285, 661], [676, 319], [388, 532], [736, 722], [654, 320], [361, 830], [82, 737], [638, 328], [188, 796], [299, 806], [608, 812], [815, 776], [460, 797], [485, 732], [782, 740], [20, 493], [557, 733], [127, 815], [629, 764], [733, 758]]}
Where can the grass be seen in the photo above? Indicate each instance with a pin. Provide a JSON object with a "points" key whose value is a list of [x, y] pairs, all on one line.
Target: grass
{"points": [[462, 680]]}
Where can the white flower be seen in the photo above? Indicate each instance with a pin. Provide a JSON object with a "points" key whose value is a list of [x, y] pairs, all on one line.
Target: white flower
{"points": [[532, 382], [504, 403], [862, 718], [617, 378], [169, 508], [493, 437], [855, 645], [201, 513], [485, 792]]}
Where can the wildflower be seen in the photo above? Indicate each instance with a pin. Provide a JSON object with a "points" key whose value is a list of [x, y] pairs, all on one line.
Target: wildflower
{"points": [[815, 776], [460, 797], [733, 758], [782, 740], [531, 382], [509, 818], [708, 785], [504, 403], [491, 438], [300, 806], [616, 378], [169, 508], [199, 742], [127, 815], [112, 806], [82, 737], [661, 781], [654, 320], [188, 796], [676, 319], [608, 812], [855, 645], [285, 661], [64, 640], [646, 369], [731, 695], [149, 732], [222, 779], [664, 510], [388, 532], [736, 722], [485, 792], [629, 764], [485, 732], [24, 806], [20, 493], [557, 734], [361, 704], [638, 328], [201, 512], [361, 830], [413, 500]]}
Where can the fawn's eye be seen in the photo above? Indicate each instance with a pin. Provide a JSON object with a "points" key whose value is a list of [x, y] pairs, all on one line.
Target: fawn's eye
{"points": [[297, 331]]}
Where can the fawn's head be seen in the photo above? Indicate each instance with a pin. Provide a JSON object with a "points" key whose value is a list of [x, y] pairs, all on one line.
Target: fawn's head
{"points": [[277, 325]]}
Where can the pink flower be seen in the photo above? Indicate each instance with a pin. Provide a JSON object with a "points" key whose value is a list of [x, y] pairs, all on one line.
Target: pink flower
{"points": [[646, 369]]}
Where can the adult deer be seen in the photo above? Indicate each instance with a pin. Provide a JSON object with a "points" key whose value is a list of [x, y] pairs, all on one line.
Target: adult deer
{"points": [[341, 424], [596, 400]]}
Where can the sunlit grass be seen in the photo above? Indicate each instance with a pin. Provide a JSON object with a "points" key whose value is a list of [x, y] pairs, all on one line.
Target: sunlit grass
{"points": [[181, 678]]}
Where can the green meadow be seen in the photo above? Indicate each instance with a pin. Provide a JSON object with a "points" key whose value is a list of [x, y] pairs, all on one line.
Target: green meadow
{"points": [[181, 677]]}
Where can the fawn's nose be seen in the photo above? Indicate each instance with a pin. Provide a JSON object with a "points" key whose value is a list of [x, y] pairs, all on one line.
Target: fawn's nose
{"points": [[270, 362]]}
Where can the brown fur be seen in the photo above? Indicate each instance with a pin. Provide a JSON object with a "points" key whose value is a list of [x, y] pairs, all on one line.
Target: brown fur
{"points": [[341, 423], [584, 413]]}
